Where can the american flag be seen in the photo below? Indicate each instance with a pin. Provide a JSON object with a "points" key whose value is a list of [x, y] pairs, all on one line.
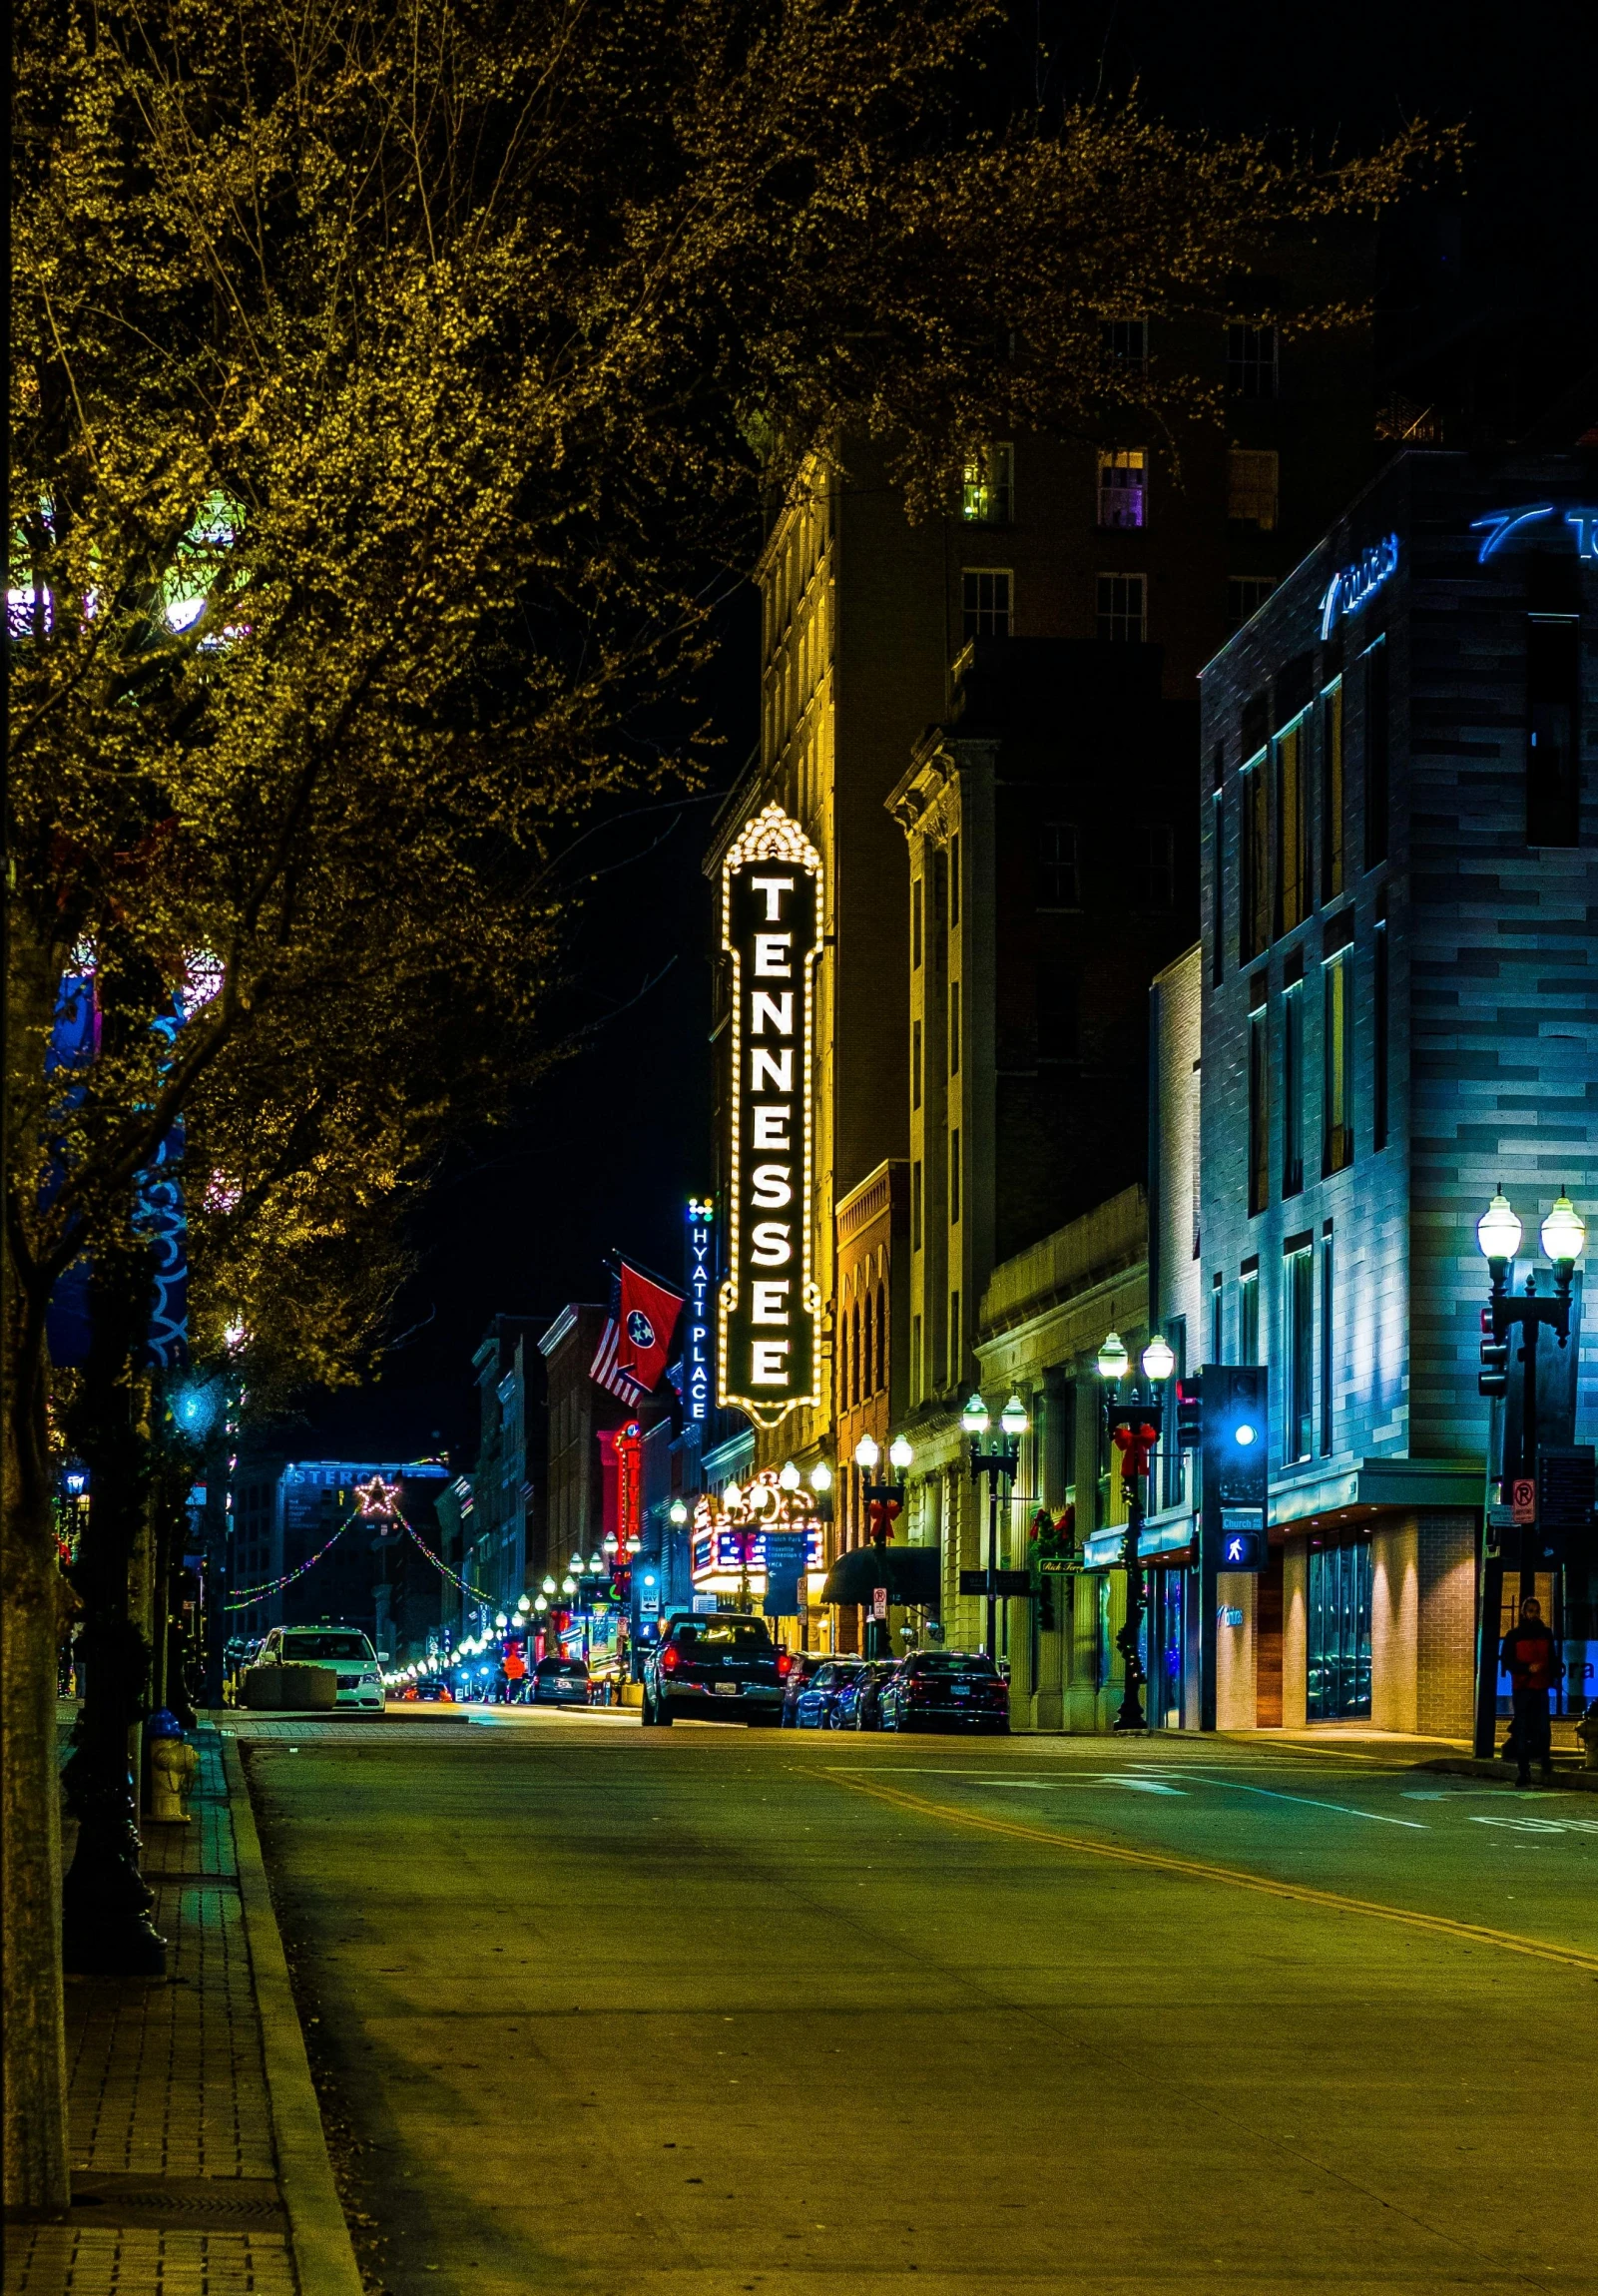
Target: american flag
{"points": [[637, 1339]]}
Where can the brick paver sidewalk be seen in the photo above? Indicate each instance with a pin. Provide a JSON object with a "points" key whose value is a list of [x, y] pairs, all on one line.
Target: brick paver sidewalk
{"points": [[174, 2180]]}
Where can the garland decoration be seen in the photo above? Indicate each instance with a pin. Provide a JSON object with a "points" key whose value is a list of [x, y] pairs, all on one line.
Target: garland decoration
{"points": [[245, 1595], [473, 1593]]}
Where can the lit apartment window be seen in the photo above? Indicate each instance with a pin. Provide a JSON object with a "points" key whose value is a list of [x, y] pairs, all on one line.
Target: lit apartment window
{"points": [[1297, 1302], [1249, 1314], [1059, 884], [1293, 829], [988, 492], [1153, 878], [1121, 488], [1245, 594], [1251, 361], [1259, 1109], [986, 602], [1292, 1088], [1121, 610], [1252, 487], [1337, 1032], [1332, 792], [1126, 342]]}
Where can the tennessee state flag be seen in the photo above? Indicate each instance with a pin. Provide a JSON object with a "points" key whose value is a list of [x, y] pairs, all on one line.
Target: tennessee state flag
{"points": [[637, 1340]]}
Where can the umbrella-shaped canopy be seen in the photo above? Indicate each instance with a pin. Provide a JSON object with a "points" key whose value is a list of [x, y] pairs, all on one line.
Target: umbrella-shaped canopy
{"points": [[911, 1574]]}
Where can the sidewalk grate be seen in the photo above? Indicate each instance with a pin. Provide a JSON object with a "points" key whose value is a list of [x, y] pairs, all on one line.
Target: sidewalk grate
{"points": [[179, 2204]]}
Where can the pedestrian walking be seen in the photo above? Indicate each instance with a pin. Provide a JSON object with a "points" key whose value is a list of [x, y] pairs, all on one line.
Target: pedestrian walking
{"points": [[1530, 1658]]}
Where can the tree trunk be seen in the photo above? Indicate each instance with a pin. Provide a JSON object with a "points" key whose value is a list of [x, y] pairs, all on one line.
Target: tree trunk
{"points": [[31, 1609], [106, 1903]]}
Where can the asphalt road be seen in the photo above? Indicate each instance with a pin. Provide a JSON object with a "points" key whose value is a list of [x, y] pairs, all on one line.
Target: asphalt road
{"points": [[612, 2011]]}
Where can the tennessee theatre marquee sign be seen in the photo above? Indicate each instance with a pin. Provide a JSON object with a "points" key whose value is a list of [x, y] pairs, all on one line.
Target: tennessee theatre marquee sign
{"points": [[770, 1363]]}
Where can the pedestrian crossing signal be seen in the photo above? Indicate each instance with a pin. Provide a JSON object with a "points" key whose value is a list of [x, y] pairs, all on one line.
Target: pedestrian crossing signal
{"points": [[1190, 1413], [1242, 1550], [1493, 1378]]}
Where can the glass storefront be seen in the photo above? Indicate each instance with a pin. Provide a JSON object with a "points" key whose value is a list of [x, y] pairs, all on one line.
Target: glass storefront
{"points": [[1339, 1632], [1165, 1665]]}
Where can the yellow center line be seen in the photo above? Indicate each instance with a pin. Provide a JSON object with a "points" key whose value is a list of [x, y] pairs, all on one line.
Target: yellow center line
{"points": [[1298, 1893]]}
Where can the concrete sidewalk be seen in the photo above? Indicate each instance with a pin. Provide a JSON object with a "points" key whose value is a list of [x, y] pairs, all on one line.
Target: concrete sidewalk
{"points": [[199, 2165]]}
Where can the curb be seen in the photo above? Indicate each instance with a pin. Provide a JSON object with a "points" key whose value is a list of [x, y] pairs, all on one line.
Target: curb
{"points": [[325, 2258], [1502, 1773]]}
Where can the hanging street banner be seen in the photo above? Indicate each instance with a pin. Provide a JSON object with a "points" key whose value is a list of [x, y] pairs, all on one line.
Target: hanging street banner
{"points": [[768, 1359]]}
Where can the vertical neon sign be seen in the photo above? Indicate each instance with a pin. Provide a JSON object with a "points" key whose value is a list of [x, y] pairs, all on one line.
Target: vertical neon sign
{"points": [[697, 1330], [771, 923]]}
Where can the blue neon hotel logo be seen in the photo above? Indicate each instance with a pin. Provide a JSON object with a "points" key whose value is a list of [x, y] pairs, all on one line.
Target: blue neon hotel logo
{"points": [[1498, 525], [1350, 586]]}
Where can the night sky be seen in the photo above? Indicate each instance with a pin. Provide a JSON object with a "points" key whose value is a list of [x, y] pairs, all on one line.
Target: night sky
{"points": [[617, 1136]]}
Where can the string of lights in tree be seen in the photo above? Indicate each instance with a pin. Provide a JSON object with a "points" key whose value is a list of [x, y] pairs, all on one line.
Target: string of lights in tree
{"points": [[245, 1595]]}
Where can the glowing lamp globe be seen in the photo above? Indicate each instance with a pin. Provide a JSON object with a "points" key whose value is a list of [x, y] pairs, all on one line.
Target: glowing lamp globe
{"points": [[1113, 1358], [501, 1622], [635, 1545], [1158, 1359], [568, 1584], [575, 1566], [820, 1476], [541, 1604], [678, 1512], [900, 1452], [1498, 1230], [596, 1564], [867, 1453], [549, 1586], [1564, 1231], [975, 1417], [732, 1497], [788, 1480], [524, 1603], [1013, 1417]]}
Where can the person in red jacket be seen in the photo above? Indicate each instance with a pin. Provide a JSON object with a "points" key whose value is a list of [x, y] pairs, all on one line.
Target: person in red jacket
{"points": [[1530, 1658]]}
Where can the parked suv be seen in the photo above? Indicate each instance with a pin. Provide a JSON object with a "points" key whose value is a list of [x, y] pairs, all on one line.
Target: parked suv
{"points": [[717, 1665], [946, 1690]]}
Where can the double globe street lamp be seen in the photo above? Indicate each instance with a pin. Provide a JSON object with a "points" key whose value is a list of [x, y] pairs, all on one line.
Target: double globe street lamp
{"points": [[1498, 1234], [1134, 1427], [997, 1461]]}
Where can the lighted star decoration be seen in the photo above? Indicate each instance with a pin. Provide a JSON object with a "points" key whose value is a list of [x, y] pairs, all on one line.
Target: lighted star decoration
{"points": [[378, 1498]]}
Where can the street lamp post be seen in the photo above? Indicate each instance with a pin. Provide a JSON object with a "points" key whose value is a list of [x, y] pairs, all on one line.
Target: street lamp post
{"points": [[998, 1461], [1134, 1427], [1498, 1234], [888, 1500]]}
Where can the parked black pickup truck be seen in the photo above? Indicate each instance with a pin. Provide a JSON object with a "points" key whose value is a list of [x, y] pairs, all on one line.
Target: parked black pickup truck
{"points": [[717, 1666]]}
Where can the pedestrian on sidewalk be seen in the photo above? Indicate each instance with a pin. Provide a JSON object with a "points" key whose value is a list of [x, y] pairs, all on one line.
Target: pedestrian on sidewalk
{"points": [[1530, 1658]]}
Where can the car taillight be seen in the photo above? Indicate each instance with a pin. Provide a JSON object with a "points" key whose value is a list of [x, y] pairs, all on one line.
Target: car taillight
{"points": [[668, 1660], [785, 1665]]}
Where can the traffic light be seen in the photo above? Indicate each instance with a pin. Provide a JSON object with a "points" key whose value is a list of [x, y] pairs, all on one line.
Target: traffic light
{"points": [[1190, 1413], [1493, 1378], [1237, 1428]]}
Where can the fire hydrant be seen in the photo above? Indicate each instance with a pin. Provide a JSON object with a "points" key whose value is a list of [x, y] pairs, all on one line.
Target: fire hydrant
{"points": [[1587, 1732], [173, 1762]]}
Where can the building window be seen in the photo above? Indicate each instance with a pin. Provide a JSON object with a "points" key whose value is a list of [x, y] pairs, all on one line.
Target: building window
{"points": [[1377, 755], [954, 882], [986, 602], [1293, 829], [1217, 1318], [954, 1028], [1176, 1331], [881, 1335], [1328, 1339], [915, 923], [1126, 342], [1252, 487], [1251, 361], [1292, 1089], [1217, 882], [1338, 1027], [987, 495], [1058, 1034], [1258, 1114], [1154, 880], [1249, 1315], [1332, 792], [956, 1349], [1298, 1299], [1379, 1035], [954, 1175], [915, 1205], [860, 1349], [1121, 608], [915, 1064], [1254, 924], [1553, 768], [1245, 594], [1059, 886], [915, 1356], [1121, 488]]}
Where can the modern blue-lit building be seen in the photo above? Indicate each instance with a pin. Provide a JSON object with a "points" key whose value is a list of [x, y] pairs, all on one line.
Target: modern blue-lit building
{"points": [[1399, 1012]]}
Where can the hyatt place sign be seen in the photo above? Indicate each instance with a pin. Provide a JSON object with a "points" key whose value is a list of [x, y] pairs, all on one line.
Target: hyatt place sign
{"points": [[772, 912]]}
